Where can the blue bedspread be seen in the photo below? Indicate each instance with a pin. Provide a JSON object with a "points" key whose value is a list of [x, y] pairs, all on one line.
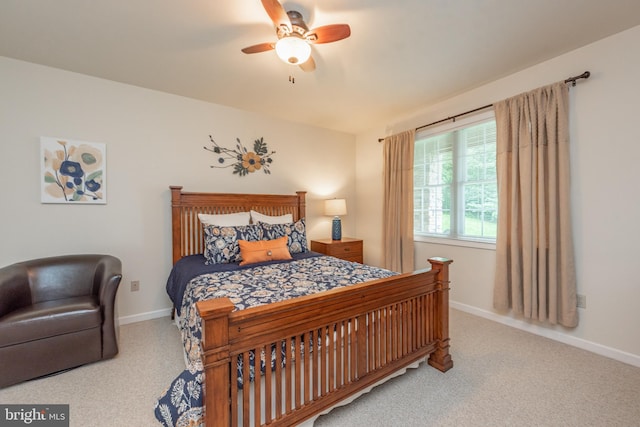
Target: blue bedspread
{"points": [[193, 265], [257, 284]]}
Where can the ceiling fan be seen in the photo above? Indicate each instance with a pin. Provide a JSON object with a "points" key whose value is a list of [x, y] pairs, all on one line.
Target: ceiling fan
{"points": [[295, 38]]}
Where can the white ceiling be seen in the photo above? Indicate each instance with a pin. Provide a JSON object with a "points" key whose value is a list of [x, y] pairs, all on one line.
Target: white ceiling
{"points": [[402, 54]]}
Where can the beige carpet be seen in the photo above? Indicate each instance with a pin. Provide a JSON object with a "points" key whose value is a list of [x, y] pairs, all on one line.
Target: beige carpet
{"points": [[502, 377]]}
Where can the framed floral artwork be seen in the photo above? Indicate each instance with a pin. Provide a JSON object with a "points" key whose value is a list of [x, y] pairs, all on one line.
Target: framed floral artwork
{"points": [[72, 172]]}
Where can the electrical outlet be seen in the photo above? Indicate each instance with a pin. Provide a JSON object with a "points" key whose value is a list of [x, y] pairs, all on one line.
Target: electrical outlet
{"points": [[135, 285], [582, 301]]}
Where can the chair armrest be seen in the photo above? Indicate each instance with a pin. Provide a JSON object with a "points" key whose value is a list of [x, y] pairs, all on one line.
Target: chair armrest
{"points": [[14, 288], [106, 281], [107, 278]]}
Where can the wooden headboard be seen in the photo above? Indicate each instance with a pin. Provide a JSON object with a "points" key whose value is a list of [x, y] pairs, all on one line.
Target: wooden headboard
{"points": [[187, 234]]}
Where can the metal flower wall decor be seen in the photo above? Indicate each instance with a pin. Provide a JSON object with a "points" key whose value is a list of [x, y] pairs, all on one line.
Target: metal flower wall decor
{"points": [[242, 160]]}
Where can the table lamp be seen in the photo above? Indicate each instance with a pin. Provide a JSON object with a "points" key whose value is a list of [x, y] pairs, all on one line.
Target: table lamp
{"points": [[335, 208]]}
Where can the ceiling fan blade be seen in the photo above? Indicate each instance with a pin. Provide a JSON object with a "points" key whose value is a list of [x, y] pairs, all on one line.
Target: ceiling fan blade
{"points": [[277, 13], [328, 33], [257, 48], [308, 65]]}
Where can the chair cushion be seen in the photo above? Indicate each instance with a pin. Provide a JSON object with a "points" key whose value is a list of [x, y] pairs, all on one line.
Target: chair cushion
{"points": [[48, 319]]}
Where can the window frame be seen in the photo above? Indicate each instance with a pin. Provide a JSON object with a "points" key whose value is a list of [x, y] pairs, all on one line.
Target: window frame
{"points": [[453, 125]]}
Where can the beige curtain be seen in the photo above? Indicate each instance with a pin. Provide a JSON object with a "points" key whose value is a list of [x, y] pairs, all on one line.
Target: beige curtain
{"points": [[535, 273], [397, 238]]}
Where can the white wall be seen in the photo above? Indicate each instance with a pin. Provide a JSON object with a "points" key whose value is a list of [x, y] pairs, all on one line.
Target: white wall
{"points": [[605, 175], [153, 140]]}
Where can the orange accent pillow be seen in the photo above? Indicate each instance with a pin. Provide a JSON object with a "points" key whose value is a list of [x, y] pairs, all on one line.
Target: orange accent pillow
{"points": [[264, 250]]}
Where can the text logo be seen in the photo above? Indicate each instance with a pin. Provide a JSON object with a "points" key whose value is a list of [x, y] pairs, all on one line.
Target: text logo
{"points": [[34, 415]]}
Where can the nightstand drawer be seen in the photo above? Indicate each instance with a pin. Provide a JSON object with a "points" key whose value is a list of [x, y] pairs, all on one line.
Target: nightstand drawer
{"points": [[344, 249], [352, 258]]}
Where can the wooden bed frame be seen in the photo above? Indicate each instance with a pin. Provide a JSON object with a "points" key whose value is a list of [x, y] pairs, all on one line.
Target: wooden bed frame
{"points": [[365, 332]]}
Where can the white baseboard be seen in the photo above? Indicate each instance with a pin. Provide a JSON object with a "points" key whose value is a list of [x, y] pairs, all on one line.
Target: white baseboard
{"points": [[124, 320], [602, 350]]}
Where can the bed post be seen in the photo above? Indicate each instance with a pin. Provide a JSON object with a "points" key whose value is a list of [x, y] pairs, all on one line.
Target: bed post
{"points": [[176, 222], [440, 358], [301, 204], [216, 360]]}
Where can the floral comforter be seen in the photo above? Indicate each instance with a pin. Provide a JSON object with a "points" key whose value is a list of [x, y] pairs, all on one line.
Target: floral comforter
{"points": [[181, 404]]}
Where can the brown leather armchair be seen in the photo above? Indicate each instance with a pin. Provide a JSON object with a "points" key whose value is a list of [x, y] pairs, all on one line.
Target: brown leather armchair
{"points": [[56, 313]]}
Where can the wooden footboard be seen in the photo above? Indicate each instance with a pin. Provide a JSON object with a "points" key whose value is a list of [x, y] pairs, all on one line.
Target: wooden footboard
{"points": [[321, 349]]}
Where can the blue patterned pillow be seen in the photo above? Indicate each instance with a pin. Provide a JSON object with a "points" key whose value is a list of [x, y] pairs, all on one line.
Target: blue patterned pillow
{"points": [[295, 232], [221, 243]]}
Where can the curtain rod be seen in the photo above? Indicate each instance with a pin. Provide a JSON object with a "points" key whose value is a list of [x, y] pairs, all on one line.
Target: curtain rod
{"points": [[571, 80]]}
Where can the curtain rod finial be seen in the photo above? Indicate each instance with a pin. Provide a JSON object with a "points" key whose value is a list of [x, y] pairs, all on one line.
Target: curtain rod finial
{"points": [[572, 80]]}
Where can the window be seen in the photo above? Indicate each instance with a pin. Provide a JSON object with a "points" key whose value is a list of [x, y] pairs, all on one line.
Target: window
{"points": [[455, 188]]}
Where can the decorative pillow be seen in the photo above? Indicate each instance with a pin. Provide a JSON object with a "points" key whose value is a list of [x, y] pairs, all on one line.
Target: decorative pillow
{"points": [[263, 250], [221, 243], [295, 231], [227, 220], [282, 219]]}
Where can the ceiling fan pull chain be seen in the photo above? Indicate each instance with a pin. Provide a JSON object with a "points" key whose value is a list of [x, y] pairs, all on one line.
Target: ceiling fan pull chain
{"points": [[292, 80]]}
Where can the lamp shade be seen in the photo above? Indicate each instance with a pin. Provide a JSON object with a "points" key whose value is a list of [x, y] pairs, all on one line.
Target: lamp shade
{"points": [[335, 207], [293, 50]]}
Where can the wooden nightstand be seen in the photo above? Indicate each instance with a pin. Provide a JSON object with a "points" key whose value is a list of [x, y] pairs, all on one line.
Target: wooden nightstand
{"points": [[348, 249]]}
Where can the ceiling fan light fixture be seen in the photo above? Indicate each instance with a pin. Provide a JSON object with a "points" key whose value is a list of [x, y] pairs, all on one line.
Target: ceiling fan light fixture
{"points": [[293, 50]]}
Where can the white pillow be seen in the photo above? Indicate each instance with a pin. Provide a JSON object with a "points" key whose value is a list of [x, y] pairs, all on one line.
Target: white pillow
{"points": [[282, 219], [225, 220]]}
